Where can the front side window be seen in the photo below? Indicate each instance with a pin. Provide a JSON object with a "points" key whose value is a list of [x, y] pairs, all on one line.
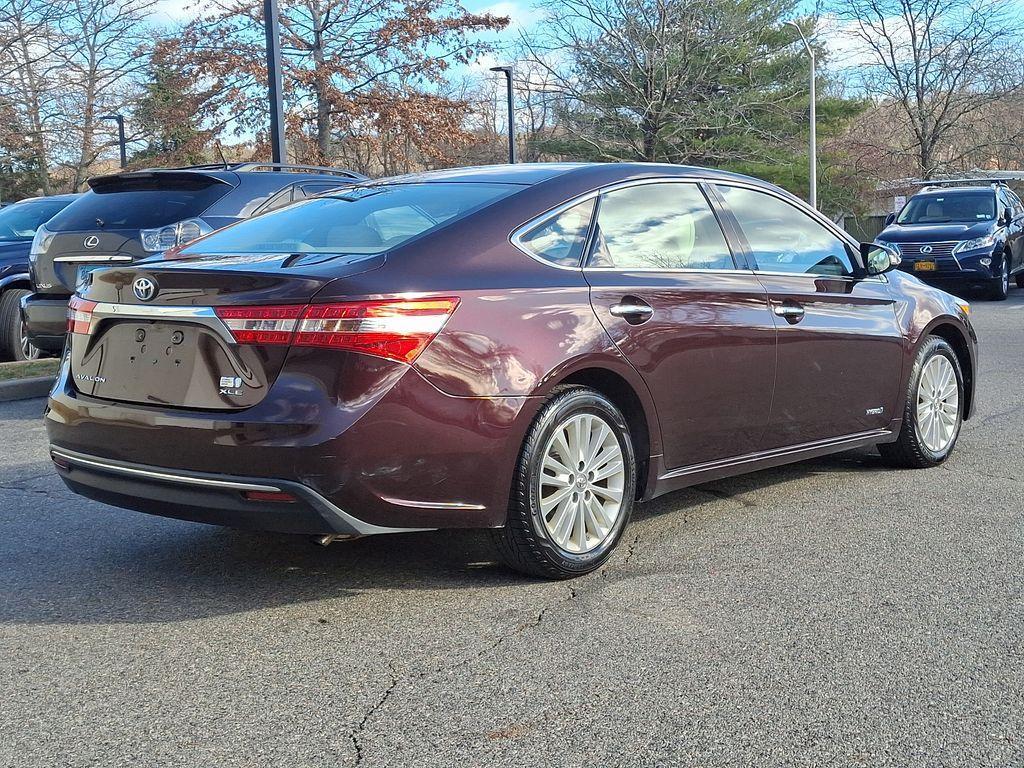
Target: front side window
{"points": [[562, 238], [783, 238], [356, 220], [658, 226]]}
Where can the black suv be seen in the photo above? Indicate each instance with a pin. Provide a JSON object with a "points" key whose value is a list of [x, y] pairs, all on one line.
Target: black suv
{"points": [[129, 216], [961, 235]]}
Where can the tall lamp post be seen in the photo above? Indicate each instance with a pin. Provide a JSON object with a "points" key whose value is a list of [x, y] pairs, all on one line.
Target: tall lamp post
{"points": [[814, 129], [120, 136], [511, 111], [274, 83]]}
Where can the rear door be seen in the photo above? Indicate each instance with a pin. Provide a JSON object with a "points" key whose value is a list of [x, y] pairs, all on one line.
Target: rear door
{"points": [[840, 348], [697, 327]]}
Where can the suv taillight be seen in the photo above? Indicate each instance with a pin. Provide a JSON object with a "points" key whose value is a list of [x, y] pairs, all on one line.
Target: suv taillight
{"points": [[80, 315], [397, 329]]}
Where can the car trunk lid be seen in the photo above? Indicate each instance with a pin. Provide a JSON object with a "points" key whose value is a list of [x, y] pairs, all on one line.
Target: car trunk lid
{"points": [[161, 332]]}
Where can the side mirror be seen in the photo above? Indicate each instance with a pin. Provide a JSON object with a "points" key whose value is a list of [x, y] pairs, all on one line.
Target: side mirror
{"points": [[890, 219], [1007, 216], [879, 259]]}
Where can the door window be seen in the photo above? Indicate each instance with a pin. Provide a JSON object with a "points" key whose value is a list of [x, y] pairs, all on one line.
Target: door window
{"points": [[562, 238], [658, 226], [783, 238]]}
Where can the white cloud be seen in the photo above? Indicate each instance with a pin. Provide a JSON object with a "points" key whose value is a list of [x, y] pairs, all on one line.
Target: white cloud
{"points": [[846, 46], [520, 16], [176, 11]]}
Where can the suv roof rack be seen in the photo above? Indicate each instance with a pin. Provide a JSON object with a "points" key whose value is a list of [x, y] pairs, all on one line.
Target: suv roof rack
{"points": [[988, 181]]}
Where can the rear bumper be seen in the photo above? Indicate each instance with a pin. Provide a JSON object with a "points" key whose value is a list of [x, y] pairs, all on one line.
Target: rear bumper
{"points": [[207, 498], [46, 319], [396, 455]]}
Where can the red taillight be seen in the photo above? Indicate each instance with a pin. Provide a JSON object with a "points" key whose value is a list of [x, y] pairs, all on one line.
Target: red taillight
{"points": [[80, 315], [397, 329], [261, 325]]}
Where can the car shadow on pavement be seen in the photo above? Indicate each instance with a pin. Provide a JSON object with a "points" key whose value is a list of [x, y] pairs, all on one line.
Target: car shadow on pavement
{"points": [[62, 563]]}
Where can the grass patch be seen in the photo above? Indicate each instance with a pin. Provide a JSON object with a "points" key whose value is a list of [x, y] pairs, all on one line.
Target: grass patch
{"points": [[28, 370]]}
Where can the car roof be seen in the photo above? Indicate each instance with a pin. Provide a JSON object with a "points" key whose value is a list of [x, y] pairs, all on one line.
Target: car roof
{"points": [[535, 173], [68, 197]]}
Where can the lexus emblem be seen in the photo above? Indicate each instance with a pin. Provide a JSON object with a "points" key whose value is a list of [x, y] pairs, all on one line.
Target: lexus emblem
{"points": [[926, 249], [91, 241], [144, 289]]}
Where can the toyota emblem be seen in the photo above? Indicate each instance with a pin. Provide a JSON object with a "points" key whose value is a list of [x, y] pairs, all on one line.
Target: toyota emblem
{"points": [[91, 241], [926, 249], [144, 289]]}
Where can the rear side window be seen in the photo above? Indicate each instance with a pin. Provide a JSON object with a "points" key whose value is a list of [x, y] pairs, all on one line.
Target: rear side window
{"points": [[562, 238], [357, 220], [138, 204], [658, 226], [783, 238]]}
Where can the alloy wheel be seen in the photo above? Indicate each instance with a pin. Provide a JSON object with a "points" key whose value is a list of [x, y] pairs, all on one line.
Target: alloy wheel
{"points": [[938, 404], [581, 483], [28, 350]]}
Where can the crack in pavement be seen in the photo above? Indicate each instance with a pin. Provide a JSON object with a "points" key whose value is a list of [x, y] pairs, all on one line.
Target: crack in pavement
{"points": [[356, 736]]}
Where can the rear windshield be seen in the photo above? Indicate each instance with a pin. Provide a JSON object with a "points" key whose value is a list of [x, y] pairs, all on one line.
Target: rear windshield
{"points": [[138, 205], [21, 220], [359, 220], [953, 207]]}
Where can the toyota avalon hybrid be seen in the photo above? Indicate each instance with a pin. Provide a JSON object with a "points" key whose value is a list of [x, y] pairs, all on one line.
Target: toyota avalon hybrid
{"points": [[530, 349]]}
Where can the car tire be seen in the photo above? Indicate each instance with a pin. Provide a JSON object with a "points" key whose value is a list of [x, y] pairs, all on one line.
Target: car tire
{"points": [[14, 344], [573, 528], [934, 409], [1001, 287]]}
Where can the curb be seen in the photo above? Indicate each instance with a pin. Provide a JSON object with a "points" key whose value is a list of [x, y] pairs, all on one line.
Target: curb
{"points": [[25, 389]]}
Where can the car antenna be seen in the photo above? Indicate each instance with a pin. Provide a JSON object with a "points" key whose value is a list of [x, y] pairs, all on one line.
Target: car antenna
{"points": [[220, 151]]}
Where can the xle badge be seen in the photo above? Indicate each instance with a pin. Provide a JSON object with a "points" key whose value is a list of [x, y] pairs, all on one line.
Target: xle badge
{"points": [[231, 386]]}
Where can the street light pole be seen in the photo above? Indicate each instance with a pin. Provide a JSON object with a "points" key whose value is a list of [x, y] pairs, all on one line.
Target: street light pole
{"points": [[274, 81], [511, 112], [120, 136], [813, 119]]}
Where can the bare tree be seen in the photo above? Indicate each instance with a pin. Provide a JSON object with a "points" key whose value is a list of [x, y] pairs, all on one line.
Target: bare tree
{"points": [[940, 64]]}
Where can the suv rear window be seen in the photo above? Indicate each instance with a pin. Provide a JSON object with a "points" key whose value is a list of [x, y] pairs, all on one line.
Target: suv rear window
{"points": [[139, 204], [357, 220]]}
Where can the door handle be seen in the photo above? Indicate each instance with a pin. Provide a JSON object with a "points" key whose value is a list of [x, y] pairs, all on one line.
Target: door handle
{"points": [[792, 311], [633, 310]]}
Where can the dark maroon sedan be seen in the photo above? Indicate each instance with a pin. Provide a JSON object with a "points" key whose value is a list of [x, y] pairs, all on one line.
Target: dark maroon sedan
{"points": [[529, 349]]}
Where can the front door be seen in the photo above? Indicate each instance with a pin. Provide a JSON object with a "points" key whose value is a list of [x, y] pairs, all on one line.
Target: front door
{"points": [[666, 288], [840, 352]]}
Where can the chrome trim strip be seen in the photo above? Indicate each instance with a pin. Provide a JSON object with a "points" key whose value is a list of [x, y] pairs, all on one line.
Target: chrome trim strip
{"points": [[93, 259], [432, 504], [791, 450], [172, 477], [201, 315]]}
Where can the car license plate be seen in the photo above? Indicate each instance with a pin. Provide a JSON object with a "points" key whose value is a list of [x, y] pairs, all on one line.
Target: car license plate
{"points": [[924, 266], [82, 278]]}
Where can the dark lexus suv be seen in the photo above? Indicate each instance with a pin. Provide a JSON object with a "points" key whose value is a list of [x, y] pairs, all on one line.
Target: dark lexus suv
{"points": [[18, 224], [525, 348], [129, 216], [961, 236]]}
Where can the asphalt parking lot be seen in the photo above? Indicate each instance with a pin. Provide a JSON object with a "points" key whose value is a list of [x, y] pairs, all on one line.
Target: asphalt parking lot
{"points": [[829, 613]]}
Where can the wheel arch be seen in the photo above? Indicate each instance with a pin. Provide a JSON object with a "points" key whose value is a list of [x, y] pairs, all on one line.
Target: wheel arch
{"points": [[15, 281], [956, 338], [629, 401]]}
